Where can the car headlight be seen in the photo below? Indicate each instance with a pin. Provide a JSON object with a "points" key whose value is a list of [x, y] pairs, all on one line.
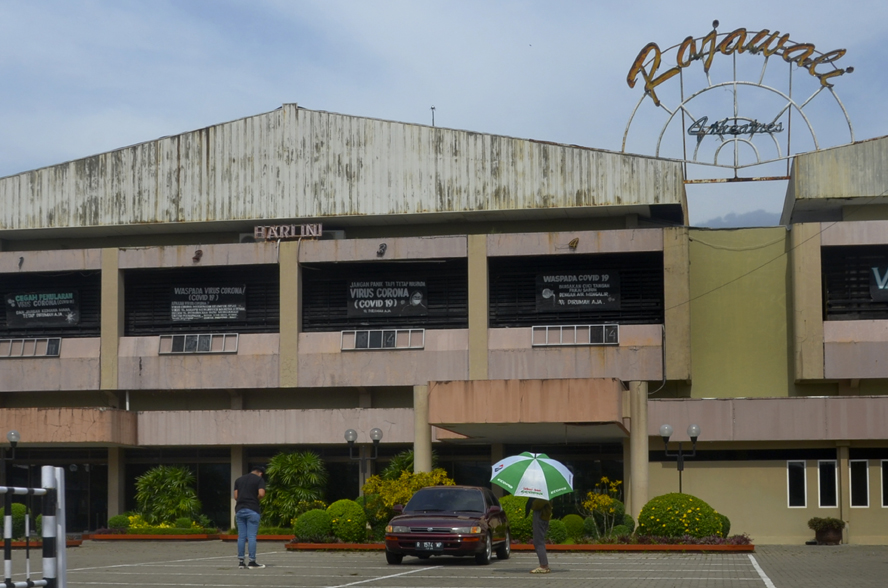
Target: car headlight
{"points": [[466, 530], [397, 529]]}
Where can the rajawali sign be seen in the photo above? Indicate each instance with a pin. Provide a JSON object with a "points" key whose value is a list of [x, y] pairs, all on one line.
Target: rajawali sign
{"points": [[46, 308], [208, 303], [573, 291], [763, 42], [735, 100], [368, 298]]}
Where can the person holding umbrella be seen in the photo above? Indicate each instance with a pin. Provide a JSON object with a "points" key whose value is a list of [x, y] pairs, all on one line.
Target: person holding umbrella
{"points": [[542, 514], [539, 478]]}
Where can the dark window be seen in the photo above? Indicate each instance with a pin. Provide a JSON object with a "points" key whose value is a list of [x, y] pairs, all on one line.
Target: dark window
{"points": [[884, 482], [859, 483], [325, 294], [847, 279], [148, 296], [795, 475], [828, 492], [513, 289], [88, 286]]}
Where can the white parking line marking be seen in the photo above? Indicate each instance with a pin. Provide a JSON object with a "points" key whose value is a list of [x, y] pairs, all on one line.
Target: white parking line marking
{"points": [[384, 577], [761, 572]]}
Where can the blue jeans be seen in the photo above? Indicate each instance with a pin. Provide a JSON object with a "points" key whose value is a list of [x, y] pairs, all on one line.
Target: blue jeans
{"points": [[247, 527]]}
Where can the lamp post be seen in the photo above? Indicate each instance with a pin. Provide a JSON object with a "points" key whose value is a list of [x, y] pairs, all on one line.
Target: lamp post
{"points": [[693, 433], [13, 437], [351, 436]]}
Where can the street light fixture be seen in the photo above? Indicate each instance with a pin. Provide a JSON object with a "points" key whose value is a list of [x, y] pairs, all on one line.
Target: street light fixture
{"points": [[693, 433], [13, 437], [351, 436]]}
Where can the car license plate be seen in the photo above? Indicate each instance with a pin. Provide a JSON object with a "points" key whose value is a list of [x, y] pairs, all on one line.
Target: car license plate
{"points": [[430, 545]]}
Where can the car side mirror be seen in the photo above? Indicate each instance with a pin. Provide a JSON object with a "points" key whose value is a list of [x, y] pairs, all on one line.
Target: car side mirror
{"points": [[494, 510], [398, 508]]}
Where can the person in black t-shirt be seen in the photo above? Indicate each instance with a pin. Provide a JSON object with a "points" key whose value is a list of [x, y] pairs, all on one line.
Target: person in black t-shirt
{"points": [[248, 489]]}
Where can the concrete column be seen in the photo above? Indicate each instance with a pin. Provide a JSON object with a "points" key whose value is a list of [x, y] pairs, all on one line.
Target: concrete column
{"points": [[627, 476], [638, 440], [116, 482], [291, 312], [422, 431], [478, 303], [497, 452], [238, 469], [844, 497], [112, 317]]}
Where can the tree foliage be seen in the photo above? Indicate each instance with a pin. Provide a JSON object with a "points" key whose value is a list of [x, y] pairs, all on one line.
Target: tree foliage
{"points": [[165, 493], [402, 462]]}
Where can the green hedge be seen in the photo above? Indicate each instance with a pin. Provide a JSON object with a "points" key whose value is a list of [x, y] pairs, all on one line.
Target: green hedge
{"points": [[349, 521], [557, 531], [520, 525], [19, 511], [168, 531], [676, 515], [314, 526], [574, 525]]}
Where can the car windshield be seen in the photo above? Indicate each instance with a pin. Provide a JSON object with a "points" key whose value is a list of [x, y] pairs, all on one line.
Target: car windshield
{"points": [[446, 499]]}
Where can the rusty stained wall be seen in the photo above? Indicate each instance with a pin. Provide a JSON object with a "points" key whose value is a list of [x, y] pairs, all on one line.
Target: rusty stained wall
{"points": [[851, 171], [294, 163], [105, 426]]}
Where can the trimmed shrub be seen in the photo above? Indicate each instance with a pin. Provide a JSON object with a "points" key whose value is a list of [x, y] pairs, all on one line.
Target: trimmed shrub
{"points": [[182, 523], [19, 511], [378, 515], [675, 515], [557, 531], [590, 528], [118, 522], [620, 531], [521, 526], [38, 524], [726, 525], [629, 522], [314, 526], [348, 520], [574, 525]]}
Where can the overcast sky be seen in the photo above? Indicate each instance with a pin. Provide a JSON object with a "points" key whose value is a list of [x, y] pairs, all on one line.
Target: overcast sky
{"points": [[83, 77]]}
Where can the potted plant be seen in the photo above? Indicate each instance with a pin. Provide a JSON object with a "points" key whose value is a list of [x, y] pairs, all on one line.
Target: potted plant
{"points": [[827, 530]]}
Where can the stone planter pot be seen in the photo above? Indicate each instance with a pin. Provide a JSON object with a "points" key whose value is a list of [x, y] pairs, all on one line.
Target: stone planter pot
{"points": [[828, 537]]}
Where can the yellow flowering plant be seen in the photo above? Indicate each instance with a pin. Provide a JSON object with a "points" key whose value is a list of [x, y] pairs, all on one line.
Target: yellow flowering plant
{"points": [[677, 515], [603, 504]]}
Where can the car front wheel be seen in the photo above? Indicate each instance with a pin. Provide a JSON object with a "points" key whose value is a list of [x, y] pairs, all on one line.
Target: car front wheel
{"points": [[505, 550], [393, 558], [483, 558]]}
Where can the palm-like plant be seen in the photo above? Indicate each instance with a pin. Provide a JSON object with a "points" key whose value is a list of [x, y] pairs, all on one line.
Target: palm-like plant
{"points": [[165, 493], [294, 481], [403, 462]]}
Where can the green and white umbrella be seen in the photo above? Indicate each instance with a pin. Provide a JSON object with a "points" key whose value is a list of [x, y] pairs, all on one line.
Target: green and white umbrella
{"points": [[534, 475]]}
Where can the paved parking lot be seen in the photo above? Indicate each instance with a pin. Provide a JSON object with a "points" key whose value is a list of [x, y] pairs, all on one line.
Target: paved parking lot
{"points": [[213, 564]]}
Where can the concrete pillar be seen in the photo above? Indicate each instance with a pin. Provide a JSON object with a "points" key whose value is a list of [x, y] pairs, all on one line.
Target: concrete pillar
{"points": [[497, 451], [238, 469], [112, 317], [116, 482], [478, 305], [844, 497], [627, 476], [422, 431], [638, 440], [291, 312]]}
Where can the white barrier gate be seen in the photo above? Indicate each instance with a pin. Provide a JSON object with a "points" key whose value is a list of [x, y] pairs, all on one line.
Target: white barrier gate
{"points": [[53, 532]]}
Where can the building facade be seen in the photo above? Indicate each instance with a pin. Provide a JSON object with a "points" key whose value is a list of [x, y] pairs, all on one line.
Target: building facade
{"points": [[471, 295]]}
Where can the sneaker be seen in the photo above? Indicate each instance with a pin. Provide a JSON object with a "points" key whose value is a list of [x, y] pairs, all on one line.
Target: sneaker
{"points": [[255, 566], [241, 565], [540, 570]]}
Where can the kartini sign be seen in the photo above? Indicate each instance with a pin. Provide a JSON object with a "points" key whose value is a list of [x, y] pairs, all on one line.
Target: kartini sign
{"points": [[748, 106]]}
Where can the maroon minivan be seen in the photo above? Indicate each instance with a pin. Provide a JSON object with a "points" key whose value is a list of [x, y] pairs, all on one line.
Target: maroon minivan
{"points": [[449, 520]]}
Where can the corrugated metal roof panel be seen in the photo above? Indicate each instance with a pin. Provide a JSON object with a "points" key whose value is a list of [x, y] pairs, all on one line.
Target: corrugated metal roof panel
{"points": [[295, 163]]}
